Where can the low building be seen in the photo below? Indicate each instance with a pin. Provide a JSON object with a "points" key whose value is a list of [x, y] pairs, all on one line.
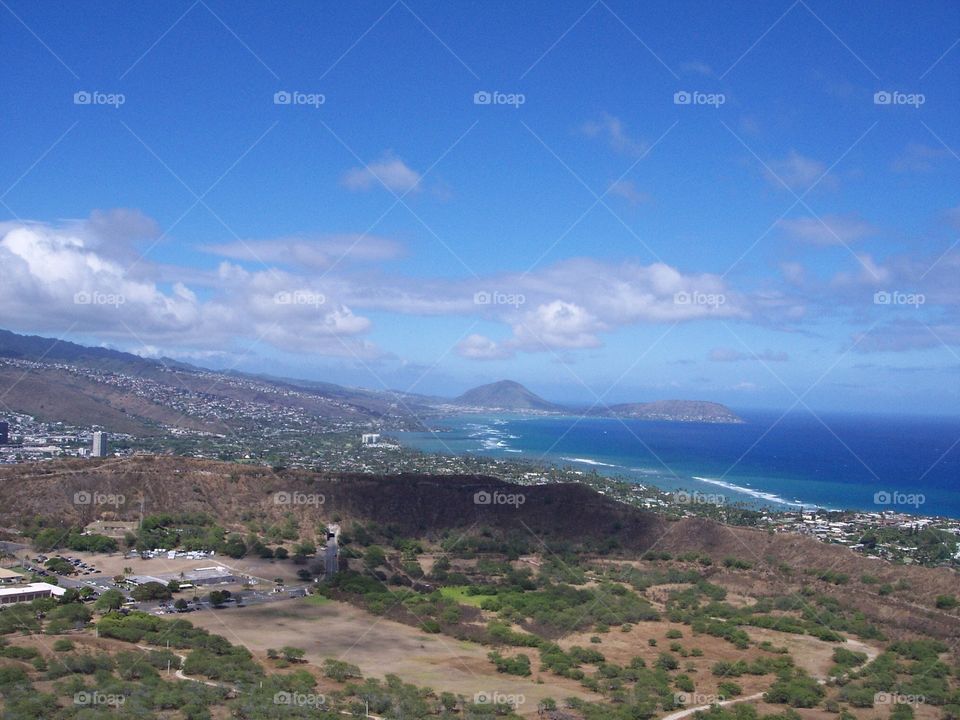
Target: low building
{"points": [[8, 577], [116, 529], [214, 575], [135, 580], [29, 592]]}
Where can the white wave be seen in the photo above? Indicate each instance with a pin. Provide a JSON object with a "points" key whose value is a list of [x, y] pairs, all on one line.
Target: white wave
{"points": [[759, 494], [588, 461]]}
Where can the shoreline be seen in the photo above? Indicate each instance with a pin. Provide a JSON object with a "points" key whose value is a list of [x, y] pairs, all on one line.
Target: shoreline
{"points": [[494, 446]]}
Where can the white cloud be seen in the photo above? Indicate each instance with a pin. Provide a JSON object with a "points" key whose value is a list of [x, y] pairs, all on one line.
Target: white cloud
{"points": [[919, 158], [480, 347], [317, 253], [828, 229], [793, 272], [389, 171], [557, 324], [299, 304], [795, 171], [628, 190], [613, 131], [55, 278]]}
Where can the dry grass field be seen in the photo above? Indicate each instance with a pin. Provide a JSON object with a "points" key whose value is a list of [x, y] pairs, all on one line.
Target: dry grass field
{"points": [[380, 646]]}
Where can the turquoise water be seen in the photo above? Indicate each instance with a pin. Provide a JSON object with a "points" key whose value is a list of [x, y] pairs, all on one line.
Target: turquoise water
{"points": [[833, 461]]}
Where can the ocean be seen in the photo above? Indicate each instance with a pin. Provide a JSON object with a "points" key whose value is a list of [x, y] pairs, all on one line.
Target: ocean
{"points": [[835, 461]]}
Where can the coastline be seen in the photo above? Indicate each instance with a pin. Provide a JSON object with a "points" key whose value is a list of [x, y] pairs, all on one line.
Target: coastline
{"points": [[517, 437]]}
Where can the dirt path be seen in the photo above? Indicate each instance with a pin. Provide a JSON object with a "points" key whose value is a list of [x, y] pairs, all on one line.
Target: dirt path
{"points": [[183, 676], [690, 711]]}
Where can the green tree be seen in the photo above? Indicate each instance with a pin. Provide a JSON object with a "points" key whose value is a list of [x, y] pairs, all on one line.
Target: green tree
{"points": [[109, 600], [151, 591], [374, 557]]}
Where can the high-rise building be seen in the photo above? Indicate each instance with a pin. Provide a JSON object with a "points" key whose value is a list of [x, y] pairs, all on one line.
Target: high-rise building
{"points": [[4, 432], [99, 444]]}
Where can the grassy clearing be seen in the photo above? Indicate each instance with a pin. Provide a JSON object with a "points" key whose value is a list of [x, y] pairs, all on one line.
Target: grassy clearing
{"points": [[458, 593]]}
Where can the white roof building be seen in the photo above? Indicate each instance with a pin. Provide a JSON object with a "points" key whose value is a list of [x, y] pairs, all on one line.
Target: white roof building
{"points": [[28, 592]]}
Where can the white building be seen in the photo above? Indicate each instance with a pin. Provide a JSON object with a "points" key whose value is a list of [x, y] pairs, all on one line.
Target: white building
{"points": [[28, 592], [370, 438], [99, 444]]}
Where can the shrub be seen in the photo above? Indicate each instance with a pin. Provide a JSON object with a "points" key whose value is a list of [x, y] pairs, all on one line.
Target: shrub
{"points": [[798, 690], [340, 671], [517, 665], [945, 602], [666, 661], [729, 689]]}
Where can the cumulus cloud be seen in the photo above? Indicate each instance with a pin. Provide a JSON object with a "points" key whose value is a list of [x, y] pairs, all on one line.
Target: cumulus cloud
{"points": [[571, 304], [389, 171], [57, 278], [828, 229], [480, 347], [60, 278], [558, 324], [612, 130]]}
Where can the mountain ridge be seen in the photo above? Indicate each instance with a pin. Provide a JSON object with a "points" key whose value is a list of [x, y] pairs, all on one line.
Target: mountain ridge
{"points": [[505, 394], [51, 393], [511, 395]]}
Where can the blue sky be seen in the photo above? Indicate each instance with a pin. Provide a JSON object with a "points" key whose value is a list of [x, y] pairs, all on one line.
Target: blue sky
{"points": [[587, 232]]}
